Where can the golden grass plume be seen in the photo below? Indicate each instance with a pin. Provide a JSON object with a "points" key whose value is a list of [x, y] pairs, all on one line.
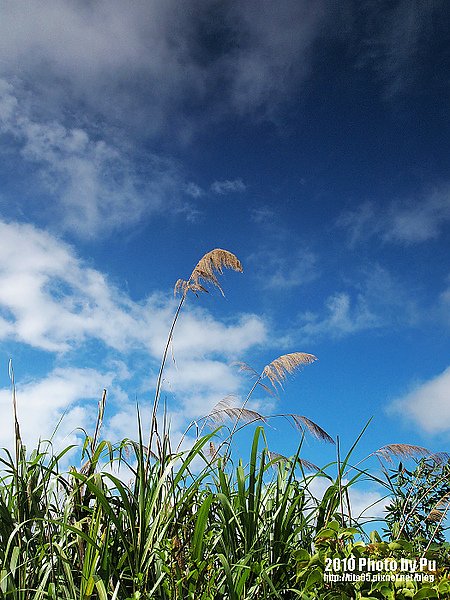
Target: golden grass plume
{"points": [[224, 410], [391, 451], [303, 423], [440, 510], [278, 369], [206, 271]]}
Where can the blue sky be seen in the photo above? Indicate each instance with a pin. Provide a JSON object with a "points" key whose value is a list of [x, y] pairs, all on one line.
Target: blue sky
{"points": [[311, 139]]}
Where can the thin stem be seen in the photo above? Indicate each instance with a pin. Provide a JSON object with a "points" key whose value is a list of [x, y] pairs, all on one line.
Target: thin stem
{"points": [[405, 516], [438, 525], [154, 423]]}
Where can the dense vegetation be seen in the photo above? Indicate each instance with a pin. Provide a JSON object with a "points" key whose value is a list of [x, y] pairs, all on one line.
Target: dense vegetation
{"points": [[143, 520]]}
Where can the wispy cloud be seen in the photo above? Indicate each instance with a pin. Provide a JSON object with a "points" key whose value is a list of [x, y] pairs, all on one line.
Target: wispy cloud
{"points": [[281, 272], [147, 63], [194, 190], [228, 186], [94, 186], [380, 300], [343, 316], [262, 214], [427, 405], [444, 304], [273, 53], [403, 222], [397, 38]]}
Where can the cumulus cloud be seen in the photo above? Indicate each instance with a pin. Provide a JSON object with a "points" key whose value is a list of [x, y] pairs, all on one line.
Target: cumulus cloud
{"points": [[427, 405], [403, 222], [73, 392], [51, 300]]}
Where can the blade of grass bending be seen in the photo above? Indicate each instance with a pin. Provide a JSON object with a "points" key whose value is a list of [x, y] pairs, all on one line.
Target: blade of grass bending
{"points": [[355, 443], [228, 577], [254, 484], [339, 479], [200, 527]]}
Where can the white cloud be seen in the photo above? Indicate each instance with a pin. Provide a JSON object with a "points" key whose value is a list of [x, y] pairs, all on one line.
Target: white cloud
{"points": [[41, 404], [427, 405], [51, 300], [204, 349], [93, 185], [228, 186], [364, 503], [198, 333], [404, 222], [202, 384]]}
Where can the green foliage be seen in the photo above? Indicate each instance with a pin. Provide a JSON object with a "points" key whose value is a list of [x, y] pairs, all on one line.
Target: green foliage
{"points": [[420, 501], [226, 531]]}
